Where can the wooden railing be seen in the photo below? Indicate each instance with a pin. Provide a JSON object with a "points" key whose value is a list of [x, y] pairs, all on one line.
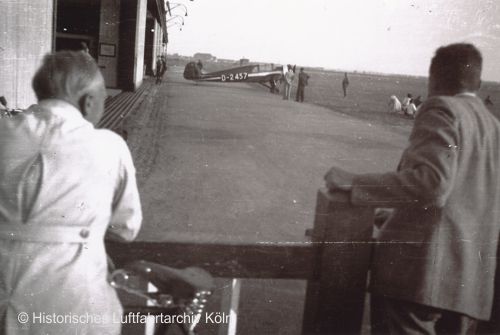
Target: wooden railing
{"points": [[335, 295], [334, 261]]}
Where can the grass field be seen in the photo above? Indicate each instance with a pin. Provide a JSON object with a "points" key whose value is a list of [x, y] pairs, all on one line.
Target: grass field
{"points": [[368, 94]]}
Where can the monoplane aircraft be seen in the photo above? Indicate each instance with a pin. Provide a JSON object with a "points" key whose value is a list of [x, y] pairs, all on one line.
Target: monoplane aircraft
{"points": [[257, 73]]}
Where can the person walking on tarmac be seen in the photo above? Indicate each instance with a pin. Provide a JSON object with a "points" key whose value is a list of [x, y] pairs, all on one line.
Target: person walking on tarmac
{"points": [[159, 70], [303, 81], [345, 84], [164, 65]]}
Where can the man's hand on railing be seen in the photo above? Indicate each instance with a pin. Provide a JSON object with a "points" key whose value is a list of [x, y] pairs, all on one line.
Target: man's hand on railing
{"points": [[338, 179]]}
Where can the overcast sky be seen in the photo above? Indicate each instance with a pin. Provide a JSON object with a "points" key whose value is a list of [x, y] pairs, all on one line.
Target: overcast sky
{"points": [[389, 36]]}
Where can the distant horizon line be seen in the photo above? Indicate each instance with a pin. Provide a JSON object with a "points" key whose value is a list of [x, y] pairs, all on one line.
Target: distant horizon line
{"points": [[364, 72], [307, 66]]}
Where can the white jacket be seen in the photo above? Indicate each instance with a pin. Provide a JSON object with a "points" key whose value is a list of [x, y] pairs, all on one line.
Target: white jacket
{"points": [[63, 184]]}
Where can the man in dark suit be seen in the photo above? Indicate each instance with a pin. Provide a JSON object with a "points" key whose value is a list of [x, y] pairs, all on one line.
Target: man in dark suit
{"points": [[345, 84], [159, 70], [434, 264], [303, 81]]}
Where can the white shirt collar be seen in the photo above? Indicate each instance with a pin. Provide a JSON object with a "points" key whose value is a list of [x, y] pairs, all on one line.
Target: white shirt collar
{"points": [[466, 94], [62, 109]]}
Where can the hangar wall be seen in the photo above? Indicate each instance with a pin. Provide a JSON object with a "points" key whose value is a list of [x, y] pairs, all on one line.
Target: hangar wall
{"points": [[109, 31], [26, 32], [158, 43], [140, 34]]}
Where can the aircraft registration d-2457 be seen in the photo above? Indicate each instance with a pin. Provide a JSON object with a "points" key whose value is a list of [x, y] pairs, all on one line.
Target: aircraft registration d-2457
{"points": [[257, 73]]}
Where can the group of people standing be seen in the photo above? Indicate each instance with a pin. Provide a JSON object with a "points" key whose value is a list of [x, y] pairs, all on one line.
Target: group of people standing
{"points": [[288, 78]]}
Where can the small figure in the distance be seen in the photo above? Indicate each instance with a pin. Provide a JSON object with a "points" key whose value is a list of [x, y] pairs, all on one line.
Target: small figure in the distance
{"points": [[394, 104], [303, 82], [345, 84], [288, 80], [418, 101], [164, 63], [488, 101], [411, 109], [159, 70], [406, 102]]}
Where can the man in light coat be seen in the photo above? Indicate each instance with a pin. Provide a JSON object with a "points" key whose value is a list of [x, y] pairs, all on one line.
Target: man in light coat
{"points": [[434, 266], [63, 185], [288, 80]]}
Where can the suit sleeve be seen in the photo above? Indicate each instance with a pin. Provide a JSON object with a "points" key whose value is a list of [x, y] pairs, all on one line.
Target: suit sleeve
{"points": [[126, 215], [426, 171]]}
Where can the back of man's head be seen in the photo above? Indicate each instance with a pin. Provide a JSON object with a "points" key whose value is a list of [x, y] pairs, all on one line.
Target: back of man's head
{"points": [[66, 75], [455, 68], [72, 76]]}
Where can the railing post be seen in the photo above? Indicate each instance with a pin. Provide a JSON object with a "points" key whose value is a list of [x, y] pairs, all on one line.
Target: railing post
{"points": [[335, 299], [230, 306]]}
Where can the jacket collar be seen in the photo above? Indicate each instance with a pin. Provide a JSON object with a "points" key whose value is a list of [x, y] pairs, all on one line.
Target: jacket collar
{"points": [[466, 94], [63, 110]]}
